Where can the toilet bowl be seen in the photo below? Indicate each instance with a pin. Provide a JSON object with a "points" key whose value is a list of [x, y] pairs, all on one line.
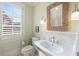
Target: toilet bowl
{"points": [[29, 50]]}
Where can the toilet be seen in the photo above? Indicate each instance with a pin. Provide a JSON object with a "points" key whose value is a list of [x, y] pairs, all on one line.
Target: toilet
{"points": [[29, 50]]}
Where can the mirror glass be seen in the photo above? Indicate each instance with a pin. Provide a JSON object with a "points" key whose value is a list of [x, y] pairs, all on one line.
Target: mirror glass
{"points": [[56, 16]]}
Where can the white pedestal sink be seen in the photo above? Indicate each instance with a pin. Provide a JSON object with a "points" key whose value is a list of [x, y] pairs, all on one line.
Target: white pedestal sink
{"points": [[48, 48]]}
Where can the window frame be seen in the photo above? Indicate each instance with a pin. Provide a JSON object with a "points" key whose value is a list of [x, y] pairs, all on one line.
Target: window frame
{"points": [[13, 6]]}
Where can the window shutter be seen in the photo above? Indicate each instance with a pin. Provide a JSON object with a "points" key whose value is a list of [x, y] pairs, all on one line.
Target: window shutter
{"points": [[11, 21]]}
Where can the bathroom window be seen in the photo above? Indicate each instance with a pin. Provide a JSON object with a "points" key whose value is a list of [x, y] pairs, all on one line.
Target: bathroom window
{"points": [[11, 19]]}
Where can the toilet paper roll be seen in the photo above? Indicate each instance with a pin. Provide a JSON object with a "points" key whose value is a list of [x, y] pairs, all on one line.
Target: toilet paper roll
{"points": [[23, 43]]}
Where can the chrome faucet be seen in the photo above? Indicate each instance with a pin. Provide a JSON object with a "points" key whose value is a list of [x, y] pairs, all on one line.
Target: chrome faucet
{"points": [[53, 40]]}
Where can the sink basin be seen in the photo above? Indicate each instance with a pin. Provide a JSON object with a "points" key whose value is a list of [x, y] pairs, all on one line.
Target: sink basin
{"points": [[48, 47]]}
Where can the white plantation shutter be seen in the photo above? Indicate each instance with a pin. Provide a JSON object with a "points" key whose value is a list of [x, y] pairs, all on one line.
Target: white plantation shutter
{"points": [[11, 19], [6, 25]]}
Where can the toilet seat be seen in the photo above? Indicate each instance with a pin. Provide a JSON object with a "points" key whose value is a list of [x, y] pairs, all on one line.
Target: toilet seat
{"points": [[29, 50], [29, 47]]}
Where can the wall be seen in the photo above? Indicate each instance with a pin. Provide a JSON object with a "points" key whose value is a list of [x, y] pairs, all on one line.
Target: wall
{"points": [[11, 45], [40, 11], [28, 24], [73, 23]]}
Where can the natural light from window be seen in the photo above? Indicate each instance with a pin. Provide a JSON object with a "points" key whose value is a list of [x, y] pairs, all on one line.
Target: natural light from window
{"points": [[11, 23]]}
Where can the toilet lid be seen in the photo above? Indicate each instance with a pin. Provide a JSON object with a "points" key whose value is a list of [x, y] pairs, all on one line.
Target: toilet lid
{"points": [[26, 48]]}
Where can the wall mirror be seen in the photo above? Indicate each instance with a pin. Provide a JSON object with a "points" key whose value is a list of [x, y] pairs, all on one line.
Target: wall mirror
{"points": [[57, 16]]}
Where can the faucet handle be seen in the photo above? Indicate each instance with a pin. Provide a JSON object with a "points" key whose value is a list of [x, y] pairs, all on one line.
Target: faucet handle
{"points": [[57, 41], [50, 39], [53, 37]]}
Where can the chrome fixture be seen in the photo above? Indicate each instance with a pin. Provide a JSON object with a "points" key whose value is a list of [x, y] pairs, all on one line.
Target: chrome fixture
{"points": [[76, 8]]}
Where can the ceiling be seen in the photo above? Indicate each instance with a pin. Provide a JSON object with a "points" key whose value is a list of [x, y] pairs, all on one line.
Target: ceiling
{"points": [[35, 3], [32, 3]]}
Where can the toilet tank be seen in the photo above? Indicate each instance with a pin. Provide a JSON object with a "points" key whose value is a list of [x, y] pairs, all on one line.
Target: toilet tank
{"points": [[34, 39]]}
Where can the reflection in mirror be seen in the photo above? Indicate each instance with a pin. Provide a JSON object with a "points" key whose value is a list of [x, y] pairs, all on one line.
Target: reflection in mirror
{"points": [[56, 16]]}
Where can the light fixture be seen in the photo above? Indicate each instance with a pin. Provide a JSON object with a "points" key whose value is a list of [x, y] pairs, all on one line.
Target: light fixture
{"points": [[76, 8], [75, 13], [43, 20]]}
